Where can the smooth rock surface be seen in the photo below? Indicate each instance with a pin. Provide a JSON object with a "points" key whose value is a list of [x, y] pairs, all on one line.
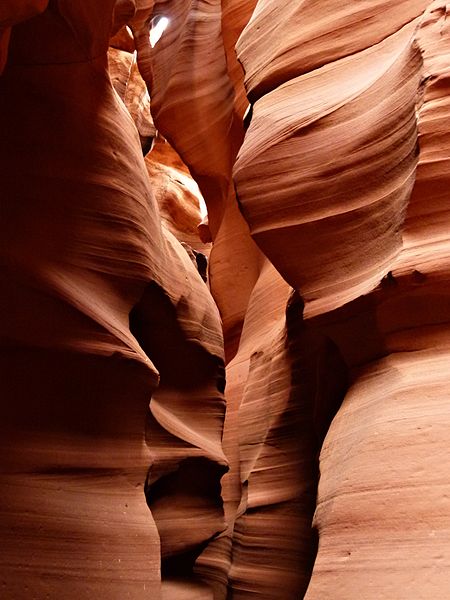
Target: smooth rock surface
{"points": [[225, 307]]}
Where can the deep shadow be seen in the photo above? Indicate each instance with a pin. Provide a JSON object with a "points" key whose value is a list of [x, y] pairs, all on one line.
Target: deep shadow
{"points": [[180, 491]]}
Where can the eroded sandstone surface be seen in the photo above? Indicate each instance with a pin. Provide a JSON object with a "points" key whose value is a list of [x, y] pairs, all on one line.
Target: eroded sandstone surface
{"points": [[225, 324]]}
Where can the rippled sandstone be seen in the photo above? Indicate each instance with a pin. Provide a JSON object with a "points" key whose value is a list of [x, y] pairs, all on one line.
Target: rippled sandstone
{"points": [[225, 299]]}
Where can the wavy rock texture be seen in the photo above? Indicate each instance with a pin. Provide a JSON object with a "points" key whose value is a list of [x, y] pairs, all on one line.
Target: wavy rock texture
{"points": [[387, 481], [191, 72], [289, 382], [82, 248], [188, 460], [234, 268], [76, 380], [327, 297], [187, 79], [282, 42], [176, 193], [129, 85], [188, 76], [235, 15], [179, 203], [370, 517], [236, 261], [357, 189]]}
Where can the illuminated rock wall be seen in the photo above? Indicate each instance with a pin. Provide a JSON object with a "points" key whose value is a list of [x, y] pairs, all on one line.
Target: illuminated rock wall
{"points": [[254, 406]]}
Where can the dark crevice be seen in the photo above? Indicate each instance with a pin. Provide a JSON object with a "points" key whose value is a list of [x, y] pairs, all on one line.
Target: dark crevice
{"points": [[317, 386], [187, 488], [319, 380]]}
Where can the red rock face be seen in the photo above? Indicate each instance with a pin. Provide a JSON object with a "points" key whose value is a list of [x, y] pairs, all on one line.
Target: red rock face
{"points": [[99, 299], [248, 403]]}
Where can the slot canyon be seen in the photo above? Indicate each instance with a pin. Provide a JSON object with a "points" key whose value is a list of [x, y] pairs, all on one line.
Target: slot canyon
{"points": [[225, 300]]}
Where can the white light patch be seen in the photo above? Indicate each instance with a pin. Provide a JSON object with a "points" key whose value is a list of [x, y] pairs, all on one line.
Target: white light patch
{"points": [[203, 209], [159, 25], [194, 189], [192, 186]]}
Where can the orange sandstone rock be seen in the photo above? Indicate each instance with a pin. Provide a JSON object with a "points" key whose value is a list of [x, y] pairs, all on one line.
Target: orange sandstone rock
{"points": [[83, 248]]}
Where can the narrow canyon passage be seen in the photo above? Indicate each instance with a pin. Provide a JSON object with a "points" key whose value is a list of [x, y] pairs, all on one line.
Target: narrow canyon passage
{"points": [[225, 300]]}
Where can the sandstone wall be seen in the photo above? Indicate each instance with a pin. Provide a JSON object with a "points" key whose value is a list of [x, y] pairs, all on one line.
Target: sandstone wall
{"points": [[261, 410]]}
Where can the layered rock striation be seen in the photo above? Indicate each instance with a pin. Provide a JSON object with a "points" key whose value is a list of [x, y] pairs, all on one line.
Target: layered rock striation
{"points": [[225, 299], [90, 277]]}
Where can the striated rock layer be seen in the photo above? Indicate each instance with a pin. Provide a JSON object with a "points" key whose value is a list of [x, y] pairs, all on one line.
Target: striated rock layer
{"points": [[389, 438], [89, 279], [289, 381], [249, 402], [359, 227], [354, 189]]}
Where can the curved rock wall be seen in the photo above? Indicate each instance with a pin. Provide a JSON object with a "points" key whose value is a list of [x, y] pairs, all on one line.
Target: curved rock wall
{"points": [[387, 481], [340, 161], [99, 299], [262, 412]]}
